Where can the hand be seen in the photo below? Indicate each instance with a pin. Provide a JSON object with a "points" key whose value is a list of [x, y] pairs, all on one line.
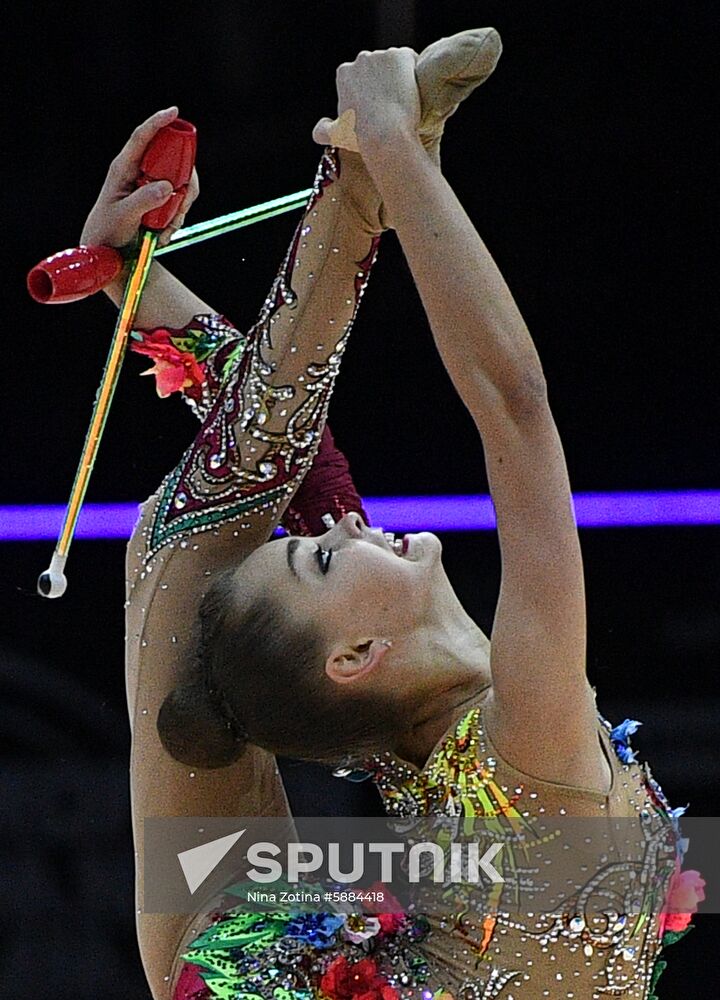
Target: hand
{"points": [[380, 87], [116, 215]]}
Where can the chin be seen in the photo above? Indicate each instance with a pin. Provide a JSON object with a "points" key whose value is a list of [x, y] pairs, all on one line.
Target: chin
{"points": [[424, 547]]}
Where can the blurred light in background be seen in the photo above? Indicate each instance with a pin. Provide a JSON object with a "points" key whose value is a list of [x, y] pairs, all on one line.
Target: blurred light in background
{"points": [[421, 513]]}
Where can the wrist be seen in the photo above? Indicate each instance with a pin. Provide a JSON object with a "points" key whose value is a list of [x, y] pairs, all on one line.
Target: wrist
{"points": [[359, 189], [115, 290], [392, 162], [382, 142]]}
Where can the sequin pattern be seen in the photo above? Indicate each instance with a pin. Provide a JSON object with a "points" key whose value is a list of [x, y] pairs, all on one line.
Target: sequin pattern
{"points": [[260, 428], [575, 951], [270, 956], [480, 948]]}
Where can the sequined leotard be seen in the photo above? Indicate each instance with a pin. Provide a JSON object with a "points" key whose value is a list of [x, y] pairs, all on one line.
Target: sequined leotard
{"points": [[262, 409], [262, 405], [572, 952]]}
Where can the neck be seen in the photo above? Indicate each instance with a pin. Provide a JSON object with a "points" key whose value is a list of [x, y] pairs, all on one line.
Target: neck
{"points": [[459, 677], [417, 744]]}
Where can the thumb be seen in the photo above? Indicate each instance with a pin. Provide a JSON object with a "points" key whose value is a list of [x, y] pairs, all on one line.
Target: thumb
{"points": [[340, 132], [147, 197], [321, 132]]}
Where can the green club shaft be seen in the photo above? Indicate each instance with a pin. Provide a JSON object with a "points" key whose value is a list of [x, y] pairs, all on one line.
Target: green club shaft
{"points": [[235, 220]]}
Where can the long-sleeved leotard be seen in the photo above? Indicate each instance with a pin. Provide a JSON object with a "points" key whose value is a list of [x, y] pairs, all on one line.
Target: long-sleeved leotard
{"points": [[263, 409], [225, 498]]}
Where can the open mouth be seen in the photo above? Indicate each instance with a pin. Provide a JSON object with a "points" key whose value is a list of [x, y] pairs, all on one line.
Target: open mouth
{"points": [[398, 545]]}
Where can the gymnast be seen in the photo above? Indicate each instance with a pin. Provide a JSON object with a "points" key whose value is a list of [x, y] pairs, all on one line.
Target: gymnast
{"points": [[340, 644]]}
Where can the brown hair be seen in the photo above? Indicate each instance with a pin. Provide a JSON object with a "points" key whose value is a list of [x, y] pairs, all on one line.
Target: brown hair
{"points": [[258, 676]]}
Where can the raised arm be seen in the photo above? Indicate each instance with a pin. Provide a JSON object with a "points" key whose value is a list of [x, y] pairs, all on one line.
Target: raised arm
{"points": [[268, 392], [224, 374], [543, 705]]}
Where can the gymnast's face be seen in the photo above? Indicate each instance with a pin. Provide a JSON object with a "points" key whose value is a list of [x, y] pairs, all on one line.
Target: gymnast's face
{"points": [[360, 593]]}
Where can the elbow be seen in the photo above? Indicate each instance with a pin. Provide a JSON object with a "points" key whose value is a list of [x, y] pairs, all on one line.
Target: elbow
{"points": [[525, 398]]}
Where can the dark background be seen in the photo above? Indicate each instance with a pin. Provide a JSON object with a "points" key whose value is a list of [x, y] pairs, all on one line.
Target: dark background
{"points": [[589, 165]]}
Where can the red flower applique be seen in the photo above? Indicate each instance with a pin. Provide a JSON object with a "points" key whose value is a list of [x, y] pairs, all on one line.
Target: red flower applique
{"points": [[390, 922], [686, 890], [345, 980], [175, 370], [388, 910]]}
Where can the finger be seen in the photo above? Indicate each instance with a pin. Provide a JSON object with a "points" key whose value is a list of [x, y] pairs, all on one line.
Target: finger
{"points": [[340, 132], [193, 190], [321, 132], [147, 197], [173, 227], [125, 166]]}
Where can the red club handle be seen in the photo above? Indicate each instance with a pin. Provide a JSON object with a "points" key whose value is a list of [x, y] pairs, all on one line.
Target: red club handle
{"points": [[169, 157]]}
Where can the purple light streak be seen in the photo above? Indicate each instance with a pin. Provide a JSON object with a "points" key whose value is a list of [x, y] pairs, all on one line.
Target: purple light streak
{"points": [[423, 513]]}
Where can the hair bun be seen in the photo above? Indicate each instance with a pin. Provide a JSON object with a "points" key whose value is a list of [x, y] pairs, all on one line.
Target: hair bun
{"points": [[194, 730]]}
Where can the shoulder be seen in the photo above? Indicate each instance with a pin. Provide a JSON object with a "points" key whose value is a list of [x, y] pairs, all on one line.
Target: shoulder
{"points": [[568, 751]]}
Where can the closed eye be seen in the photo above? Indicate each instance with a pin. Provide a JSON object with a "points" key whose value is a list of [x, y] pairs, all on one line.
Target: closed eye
{"points": [[323, 557]]}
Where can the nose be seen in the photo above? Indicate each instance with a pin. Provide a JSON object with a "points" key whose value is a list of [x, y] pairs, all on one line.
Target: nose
{"points": [[352, 525], [349, 526]]}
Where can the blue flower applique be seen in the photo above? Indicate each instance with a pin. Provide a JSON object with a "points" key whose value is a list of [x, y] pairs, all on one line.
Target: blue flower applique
{"points": [[316, 929], [620, 739]]}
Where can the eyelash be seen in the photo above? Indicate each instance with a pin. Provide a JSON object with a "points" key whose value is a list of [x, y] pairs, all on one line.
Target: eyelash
{"points": [[323, 562]]}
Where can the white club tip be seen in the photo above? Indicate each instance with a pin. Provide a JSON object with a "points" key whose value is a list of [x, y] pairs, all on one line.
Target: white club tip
{"points": [[53, 582]]}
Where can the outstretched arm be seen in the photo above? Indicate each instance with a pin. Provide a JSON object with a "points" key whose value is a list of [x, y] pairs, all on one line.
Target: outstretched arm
{"points": [[542, 702], [266, 394], [179, 317], [262, 418]]}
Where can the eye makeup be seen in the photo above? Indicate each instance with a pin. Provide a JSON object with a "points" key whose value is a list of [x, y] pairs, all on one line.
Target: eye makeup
{"points": [[323, 557]]}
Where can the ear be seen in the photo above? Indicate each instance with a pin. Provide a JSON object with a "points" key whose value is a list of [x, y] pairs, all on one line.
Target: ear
{"points": [[346, 664]]}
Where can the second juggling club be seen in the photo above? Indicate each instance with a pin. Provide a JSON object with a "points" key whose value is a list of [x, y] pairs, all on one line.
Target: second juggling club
{"points": [[170, 156]]}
